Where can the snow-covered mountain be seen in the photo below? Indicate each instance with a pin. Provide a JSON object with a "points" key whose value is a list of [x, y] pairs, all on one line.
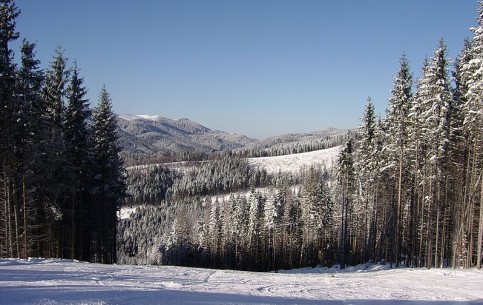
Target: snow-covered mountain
{"points": [[298, 139], [156, 134]]}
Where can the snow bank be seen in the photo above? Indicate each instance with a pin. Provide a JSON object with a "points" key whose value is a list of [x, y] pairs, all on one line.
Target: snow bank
{"points": [[43, 281]]}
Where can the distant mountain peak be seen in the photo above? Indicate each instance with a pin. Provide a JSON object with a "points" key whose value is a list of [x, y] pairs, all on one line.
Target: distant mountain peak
{"points": [[154, 133], [131, 117]]}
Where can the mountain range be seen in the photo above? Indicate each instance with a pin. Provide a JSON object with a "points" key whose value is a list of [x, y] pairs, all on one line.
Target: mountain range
{"points": [[148, 134], [156, 134]]}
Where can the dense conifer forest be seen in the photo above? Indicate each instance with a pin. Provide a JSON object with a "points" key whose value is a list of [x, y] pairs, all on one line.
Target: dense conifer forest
{"points": [[61, 175]]}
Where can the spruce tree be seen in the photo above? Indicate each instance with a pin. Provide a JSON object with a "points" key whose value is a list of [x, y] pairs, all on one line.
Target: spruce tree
{"points": [[397, 122], [435, 99], [109, 179], [346, 185], [366, 158], [471, 76], [462, 154], [53, 95], [30, 147], [8, 34], [79, 154]]}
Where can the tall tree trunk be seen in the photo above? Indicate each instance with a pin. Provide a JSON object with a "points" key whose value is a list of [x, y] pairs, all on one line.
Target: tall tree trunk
{"points": [[398, 216], [73, 224], [480, 228], [25, 219]]}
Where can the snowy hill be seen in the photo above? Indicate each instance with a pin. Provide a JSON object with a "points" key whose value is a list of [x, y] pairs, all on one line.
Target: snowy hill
{"points": [[54, 281], [294, 140], [292, 163], [153, 134], [156, 134]]}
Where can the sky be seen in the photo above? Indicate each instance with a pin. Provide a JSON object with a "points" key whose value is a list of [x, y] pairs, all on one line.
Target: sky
{"points": [[254, 67]]}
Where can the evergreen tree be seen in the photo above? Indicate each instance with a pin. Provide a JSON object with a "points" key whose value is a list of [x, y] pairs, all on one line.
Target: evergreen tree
{"points": [[346, 184], [10, 209], [31, 137], [53, 95], [55, 91], [216, 231], [471, 76], [255, 218], [79, 153], [435, 99], [367, 172], [109, 178], [462, 155], [397, 122]]}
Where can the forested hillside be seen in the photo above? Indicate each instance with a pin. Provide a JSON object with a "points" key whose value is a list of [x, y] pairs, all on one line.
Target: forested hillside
{"points": [[407, 189], [225, 214], [143, 135], [61, 176]]}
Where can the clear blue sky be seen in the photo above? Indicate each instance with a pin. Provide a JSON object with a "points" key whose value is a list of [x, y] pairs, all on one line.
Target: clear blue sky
{"points": [[254, 67]]}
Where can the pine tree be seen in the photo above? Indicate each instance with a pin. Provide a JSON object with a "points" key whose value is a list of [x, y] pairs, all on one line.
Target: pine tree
{"points": [[79, 153], [255, 218], [367, 172], [109, 178], [215, 226], [435, 99], [31, 137], [240, 229], [397, 123], [462, 151], [471, 76], [346, 184], [53, 95], [10, 213], [271, 222], [57, 78]]}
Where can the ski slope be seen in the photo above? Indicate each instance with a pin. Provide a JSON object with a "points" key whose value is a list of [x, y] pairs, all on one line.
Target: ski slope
{"points": [[293, 163], [54, 281]]}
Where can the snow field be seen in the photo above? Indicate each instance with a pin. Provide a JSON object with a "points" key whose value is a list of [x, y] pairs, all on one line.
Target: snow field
{"points": [[293, 163], [53, 281]]}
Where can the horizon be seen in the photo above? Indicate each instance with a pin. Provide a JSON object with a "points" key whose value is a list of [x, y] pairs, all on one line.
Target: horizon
{"points": [[149, 117], [253, 68]]}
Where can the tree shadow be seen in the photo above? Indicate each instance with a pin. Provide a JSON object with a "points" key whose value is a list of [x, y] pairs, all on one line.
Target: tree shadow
{"points": [[95, 294]]}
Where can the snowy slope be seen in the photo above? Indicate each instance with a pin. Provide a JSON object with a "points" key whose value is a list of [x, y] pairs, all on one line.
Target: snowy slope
{"points": [[43, 281], [292, 163], [156, 134]]}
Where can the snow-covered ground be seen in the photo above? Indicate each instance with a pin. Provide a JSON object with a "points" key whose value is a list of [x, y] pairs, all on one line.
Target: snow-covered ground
{"points": [[292, 163], [53, 281]]}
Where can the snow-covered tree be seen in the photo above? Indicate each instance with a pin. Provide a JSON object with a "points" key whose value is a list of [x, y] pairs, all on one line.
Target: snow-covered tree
{"points": [[347, 188], [397, 123], [435, 101], [472, 80]]}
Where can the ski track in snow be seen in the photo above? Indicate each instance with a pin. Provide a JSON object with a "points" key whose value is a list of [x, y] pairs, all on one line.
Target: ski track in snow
{"points": [[53, 281]]}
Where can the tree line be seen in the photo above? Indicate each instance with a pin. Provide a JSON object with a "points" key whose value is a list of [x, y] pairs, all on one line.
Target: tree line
{"points": [[61, 177]]}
